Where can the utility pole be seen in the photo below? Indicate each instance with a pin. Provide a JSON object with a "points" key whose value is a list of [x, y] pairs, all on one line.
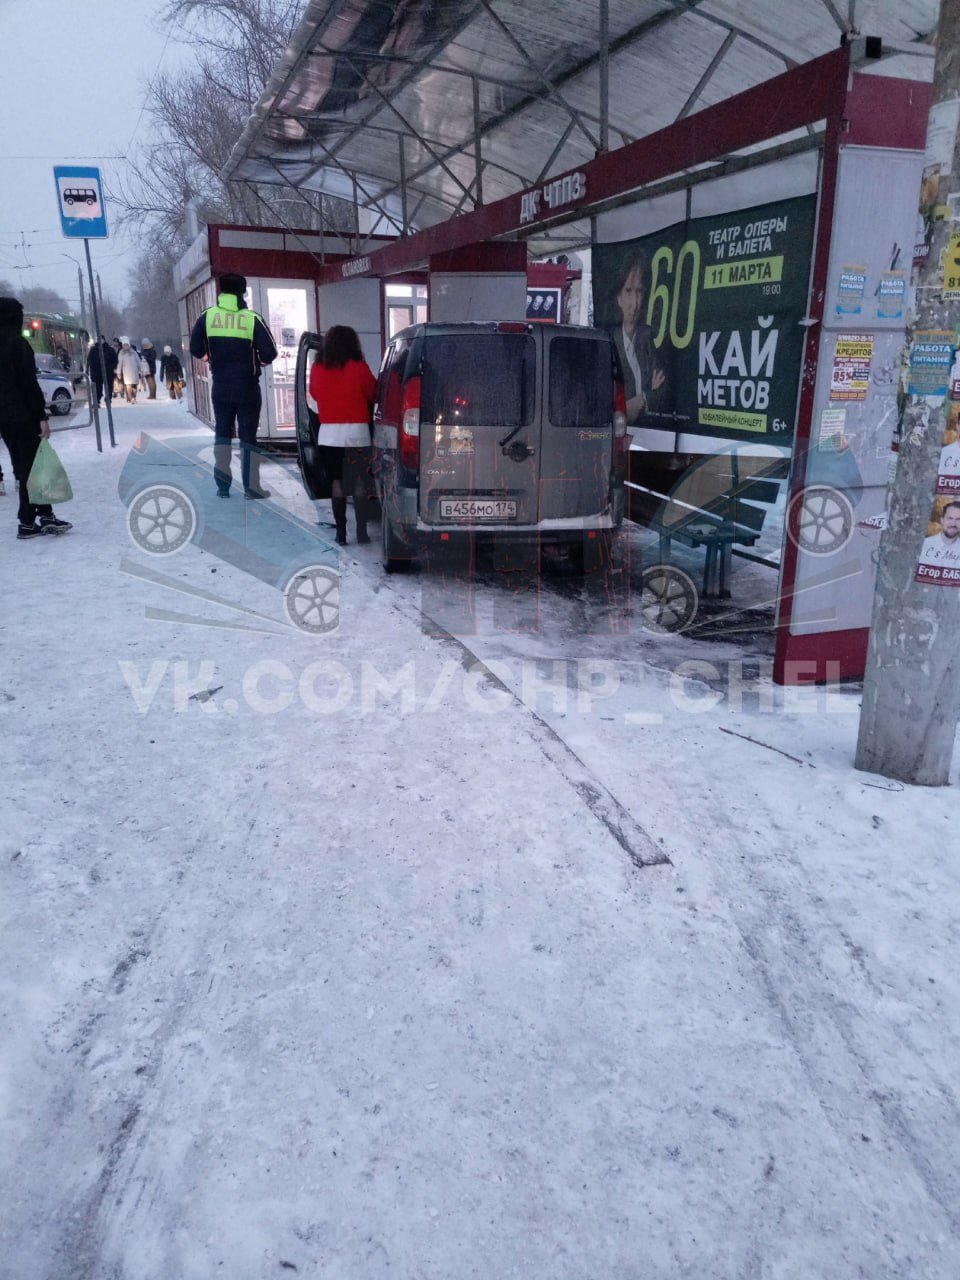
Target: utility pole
{"points": [[83, 300], [911, 691]]}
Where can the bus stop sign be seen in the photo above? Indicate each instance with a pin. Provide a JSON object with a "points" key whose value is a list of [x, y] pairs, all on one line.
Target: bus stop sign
{"points": [[80, 196]]}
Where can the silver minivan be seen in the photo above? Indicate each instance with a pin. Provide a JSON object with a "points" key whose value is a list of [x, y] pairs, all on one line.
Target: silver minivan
{"points": [[500, 431]]}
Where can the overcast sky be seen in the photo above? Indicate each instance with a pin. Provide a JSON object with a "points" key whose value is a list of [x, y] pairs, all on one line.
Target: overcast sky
{"points": [[72, 81]]}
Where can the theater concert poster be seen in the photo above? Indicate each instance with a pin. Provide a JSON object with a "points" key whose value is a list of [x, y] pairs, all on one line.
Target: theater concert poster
{"points": [[718, 338]]}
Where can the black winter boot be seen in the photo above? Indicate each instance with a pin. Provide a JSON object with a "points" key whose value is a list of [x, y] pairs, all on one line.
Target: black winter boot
{"points": [[340, 517]]}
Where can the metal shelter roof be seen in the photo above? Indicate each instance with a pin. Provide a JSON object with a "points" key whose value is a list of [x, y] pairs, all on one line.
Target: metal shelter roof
{"points": [[418, 110]]}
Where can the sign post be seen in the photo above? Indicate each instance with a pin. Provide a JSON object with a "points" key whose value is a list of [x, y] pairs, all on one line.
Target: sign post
{"points": [[83, 217], [911, 687]]}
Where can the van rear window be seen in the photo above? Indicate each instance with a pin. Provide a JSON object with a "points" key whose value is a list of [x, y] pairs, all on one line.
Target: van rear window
{"points": [[581, 383], [479, 380]]}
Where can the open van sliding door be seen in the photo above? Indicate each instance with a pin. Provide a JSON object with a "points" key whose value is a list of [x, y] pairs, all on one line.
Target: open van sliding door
{"points": [[479, 433]]}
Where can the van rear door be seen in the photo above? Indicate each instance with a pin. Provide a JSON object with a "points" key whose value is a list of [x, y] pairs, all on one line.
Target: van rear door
{"points": [[577, 434], [479, 438]]}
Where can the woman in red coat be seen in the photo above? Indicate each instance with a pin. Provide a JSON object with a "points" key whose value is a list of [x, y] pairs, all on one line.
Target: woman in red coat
{"points": [[344, 389]]}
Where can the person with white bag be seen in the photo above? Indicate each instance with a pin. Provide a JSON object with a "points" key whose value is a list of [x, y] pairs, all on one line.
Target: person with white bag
{"points": [[23, 419]]}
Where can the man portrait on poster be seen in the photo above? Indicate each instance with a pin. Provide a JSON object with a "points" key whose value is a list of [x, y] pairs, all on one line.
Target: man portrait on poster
{"points": [[948, 469], [940, 556]]}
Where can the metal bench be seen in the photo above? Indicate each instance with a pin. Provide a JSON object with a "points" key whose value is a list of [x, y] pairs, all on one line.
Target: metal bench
{"points": [[715, 507]]}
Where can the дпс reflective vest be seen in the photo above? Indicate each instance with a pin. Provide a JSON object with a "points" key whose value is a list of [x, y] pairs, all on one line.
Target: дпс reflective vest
{"points": [[236, 340]]}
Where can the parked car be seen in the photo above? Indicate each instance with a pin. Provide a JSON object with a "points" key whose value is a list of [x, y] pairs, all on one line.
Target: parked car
{"points": [[171, 500], [507, 431], [55, 384]]}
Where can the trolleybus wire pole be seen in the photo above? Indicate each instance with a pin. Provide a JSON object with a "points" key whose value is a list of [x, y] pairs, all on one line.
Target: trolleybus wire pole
{"points": [[103, 367], [911, 686]]}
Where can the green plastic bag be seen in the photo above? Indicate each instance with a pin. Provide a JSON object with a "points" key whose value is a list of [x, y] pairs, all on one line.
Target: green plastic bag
{"points": [[47, 481]]}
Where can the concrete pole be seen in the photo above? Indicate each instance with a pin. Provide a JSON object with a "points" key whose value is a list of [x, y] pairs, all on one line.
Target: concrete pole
{"points": [[911, 691]]}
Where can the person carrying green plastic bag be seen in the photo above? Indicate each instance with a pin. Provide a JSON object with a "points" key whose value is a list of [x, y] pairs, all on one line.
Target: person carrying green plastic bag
{"points": [[47, 481], [23, 422]]}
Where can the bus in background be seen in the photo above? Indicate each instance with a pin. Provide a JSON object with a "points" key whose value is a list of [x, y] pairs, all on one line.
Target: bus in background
{"points": [[60, 336]]}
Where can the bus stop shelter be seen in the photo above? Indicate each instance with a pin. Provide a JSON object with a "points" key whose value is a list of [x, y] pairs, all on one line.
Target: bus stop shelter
{"points": [[734, 143]]}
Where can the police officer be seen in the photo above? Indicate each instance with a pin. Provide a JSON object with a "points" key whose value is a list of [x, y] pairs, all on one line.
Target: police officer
{"points": [[237, 343]]}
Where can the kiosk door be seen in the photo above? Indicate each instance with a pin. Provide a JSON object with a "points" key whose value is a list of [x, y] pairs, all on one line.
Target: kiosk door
{"points": [[289, 308]]}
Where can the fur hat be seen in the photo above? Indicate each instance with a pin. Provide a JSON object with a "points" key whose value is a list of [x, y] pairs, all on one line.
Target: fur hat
{"points": [[232, 283]]}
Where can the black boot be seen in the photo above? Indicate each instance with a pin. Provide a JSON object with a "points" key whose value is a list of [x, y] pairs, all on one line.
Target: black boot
{"points": [[340, 517], [360, 510]]}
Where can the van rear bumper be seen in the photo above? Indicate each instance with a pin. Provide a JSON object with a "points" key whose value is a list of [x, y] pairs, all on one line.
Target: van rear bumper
{"points": [[545, 530], [407, 526]]}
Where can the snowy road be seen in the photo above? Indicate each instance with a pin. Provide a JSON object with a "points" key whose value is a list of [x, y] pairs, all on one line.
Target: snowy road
{"points": [[371, 963]]}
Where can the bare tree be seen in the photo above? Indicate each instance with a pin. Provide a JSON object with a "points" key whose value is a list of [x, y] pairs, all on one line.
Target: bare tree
{"points": [[152, 305], [197, 117]]}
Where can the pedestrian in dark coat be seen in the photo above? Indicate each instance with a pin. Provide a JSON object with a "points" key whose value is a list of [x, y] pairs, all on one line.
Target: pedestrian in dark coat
{"points": [[23, 418], [148, 352], [171, 372], [96, 370]]}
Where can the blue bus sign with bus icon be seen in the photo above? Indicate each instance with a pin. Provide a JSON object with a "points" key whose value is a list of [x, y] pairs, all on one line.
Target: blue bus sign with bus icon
{"points": [[80, 198]]}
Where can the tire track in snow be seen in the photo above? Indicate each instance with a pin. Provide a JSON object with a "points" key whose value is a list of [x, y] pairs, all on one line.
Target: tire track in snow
{"points": [[106, 1105], [638, 845], [821, 1026]]}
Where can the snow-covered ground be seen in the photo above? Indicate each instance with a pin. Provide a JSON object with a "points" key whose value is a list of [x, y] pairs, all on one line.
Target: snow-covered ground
{"points": [[466, 940]]}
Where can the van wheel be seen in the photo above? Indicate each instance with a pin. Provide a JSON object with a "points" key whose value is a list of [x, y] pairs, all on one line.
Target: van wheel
{"points": [[390, 547]]}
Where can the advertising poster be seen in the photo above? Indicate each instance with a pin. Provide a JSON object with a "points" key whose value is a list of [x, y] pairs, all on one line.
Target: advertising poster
{"points": [[931, 357], [832, 424], [951, 268], [850, 290], [891, 295], [543, 304], [706, 319], [948, 469], [850, 377], [939, 562]]}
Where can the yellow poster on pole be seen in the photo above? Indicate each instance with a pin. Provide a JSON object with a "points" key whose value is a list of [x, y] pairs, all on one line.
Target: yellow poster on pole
{"points": [[951, 267]]}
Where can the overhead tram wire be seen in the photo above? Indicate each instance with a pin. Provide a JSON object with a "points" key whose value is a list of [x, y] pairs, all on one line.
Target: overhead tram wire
{"points": [[143, 106]]}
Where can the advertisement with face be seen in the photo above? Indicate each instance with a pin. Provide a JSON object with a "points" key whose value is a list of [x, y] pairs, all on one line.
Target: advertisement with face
{"points": [[939, 562], [705, 316]]}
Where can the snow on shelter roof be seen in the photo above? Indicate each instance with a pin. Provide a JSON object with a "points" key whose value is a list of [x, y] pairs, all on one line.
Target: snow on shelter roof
{"points": [[418, 110]]}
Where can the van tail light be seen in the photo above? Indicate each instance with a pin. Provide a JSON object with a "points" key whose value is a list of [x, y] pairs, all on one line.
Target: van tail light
{"points": [[410, 425], [621, 436]]}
